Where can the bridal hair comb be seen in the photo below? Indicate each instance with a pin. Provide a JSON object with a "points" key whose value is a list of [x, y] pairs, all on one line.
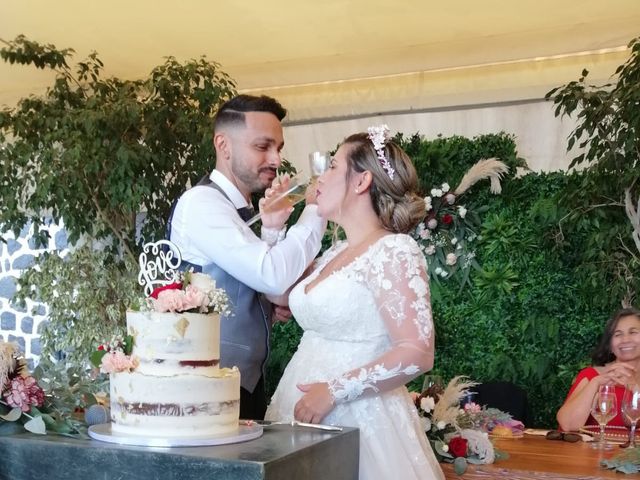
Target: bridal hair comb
{"points": [[379, 136]]}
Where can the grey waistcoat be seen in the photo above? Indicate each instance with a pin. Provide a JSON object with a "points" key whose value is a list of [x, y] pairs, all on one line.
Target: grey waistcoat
{"points": [[245, 334]]}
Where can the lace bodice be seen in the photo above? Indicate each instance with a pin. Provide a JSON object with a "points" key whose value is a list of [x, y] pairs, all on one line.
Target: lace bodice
{"points": [[374, 315]]}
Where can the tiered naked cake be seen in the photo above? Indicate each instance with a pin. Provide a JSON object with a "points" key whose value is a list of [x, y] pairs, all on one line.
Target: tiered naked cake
{"points": [[165, 377], [177, 389]]}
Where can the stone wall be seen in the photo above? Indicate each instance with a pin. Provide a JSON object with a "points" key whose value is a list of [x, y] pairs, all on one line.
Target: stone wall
{"points": [[23, 325]]}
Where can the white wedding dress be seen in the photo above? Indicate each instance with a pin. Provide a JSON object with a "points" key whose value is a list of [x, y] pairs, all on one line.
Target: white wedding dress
{"points": [[367, 330]]}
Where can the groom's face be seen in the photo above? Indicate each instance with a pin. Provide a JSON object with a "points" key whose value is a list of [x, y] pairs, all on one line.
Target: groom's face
{"points": [[255, 151]]}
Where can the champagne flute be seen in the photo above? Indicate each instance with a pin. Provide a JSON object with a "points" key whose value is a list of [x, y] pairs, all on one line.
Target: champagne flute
{"points": [[604, 409], [290, 197], [318, 164], [631, 409]]}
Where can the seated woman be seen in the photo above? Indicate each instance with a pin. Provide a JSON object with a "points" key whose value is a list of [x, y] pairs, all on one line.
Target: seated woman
{"points": [[616, 361]]}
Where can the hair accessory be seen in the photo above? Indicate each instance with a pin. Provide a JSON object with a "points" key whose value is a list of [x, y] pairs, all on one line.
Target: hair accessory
{"points": [[379, 136]]}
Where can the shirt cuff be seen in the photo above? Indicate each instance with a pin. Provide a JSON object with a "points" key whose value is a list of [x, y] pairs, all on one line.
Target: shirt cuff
{"points": [[272, 235]]}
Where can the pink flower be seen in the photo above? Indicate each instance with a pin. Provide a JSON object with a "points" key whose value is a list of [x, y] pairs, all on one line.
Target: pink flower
{"points": [[171, 286], [181, 300], [117, 361], [24, 392], [472, 407], [196, 298]]}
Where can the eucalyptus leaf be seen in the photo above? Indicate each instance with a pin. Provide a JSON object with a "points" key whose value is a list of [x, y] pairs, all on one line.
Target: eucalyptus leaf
{"points": [[460, 465], [13, 415], [36, 425]]}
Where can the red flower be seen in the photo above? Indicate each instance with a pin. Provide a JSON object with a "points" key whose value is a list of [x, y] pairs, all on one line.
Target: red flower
{"points": [[458, 447], [171, 286], [447, 219], [100, 347]]}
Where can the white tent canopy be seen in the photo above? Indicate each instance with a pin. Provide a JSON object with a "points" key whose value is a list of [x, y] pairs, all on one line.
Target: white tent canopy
{"points": [[346, 60]]}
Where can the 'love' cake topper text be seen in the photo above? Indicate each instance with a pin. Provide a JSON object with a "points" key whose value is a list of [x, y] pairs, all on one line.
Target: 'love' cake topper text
{"points": [[162, 266]]}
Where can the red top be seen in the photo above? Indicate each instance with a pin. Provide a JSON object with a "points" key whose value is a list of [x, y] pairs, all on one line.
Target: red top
{"points": [[589, 373]]}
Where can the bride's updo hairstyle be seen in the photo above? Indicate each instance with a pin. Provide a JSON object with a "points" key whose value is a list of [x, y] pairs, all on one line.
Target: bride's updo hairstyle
{"points": [[394, 196]]}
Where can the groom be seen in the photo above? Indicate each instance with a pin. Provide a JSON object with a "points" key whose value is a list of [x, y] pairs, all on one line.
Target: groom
{"points": [[208, 226]]}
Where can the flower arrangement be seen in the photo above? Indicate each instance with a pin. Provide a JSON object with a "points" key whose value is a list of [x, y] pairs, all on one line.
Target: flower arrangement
{"points": [[193, 292], [22, 400], [449, 230], [460, 435], [115, 356]]}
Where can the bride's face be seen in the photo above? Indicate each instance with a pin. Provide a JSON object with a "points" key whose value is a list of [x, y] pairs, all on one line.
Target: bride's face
{"points": [[332, 187]]}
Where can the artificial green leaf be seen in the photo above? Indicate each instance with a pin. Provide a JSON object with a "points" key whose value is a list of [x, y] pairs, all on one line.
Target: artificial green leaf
{"points": [[460, 465], [13, 415], [36, 425]]}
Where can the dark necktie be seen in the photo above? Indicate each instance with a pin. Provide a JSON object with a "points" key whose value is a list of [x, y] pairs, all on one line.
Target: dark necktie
{"points": [[246, 212]]}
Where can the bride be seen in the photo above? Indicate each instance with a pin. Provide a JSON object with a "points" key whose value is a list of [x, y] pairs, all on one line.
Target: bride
{"points": [[366, 313]]}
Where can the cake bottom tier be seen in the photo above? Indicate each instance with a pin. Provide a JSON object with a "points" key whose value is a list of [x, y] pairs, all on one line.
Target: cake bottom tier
{"points": [[175, 407]]}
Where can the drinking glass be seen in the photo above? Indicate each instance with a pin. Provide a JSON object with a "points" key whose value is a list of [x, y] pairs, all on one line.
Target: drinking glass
{"points": [[318, 163], [290, 197], [631, 410], [604, 409]]}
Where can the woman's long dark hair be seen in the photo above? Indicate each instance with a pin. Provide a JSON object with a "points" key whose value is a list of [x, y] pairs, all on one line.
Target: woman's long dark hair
{"points": [[602, 354]]}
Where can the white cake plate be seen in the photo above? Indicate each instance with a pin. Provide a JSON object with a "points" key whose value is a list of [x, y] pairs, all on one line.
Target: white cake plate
{"points": [[245, 433]]}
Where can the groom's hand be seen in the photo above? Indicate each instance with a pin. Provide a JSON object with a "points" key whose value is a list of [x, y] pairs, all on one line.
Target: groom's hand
{"points": [[280, 314], [315, 404]]}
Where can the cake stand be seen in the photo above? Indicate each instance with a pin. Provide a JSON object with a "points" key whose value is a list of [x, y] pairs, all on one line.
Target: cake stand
{"points": [[246, 431]]}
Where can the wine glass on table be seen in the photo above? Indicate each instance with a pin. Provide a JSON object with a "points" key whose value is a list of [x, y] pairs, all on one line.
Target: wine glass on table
{"points": [[298, 184], [631, 410], [604, 409]]}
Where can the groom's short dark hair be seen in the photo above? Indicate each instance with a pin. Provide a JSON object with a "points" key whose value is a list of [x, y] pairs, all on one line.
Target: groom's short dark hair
{"points": [[232, 112]]}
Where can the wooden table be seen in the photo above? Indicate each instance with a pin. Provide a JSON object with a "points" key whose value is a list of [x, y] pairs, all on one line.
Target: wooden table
{"points": [[534, 457]]}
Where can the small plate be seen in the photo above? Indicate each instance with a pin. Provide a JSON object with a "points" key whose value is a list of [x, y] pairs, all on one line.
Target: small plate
{"points": [[612, 433], [103, 433]]}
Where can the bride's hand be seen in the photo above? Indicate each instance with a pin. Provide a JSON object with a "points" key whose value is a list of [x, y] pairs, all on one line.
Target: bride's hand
{"points": [[315, 404]]}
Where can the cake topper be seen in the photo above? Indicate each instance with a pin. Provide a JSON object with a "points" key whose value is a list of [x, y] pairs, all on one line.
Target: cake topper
{"points": [[161, 268]]}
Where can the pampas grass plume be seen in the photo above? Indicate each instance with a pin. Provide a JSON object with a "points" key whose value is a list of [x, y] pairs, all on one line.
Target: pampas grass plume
{"points": [[490, 168]]}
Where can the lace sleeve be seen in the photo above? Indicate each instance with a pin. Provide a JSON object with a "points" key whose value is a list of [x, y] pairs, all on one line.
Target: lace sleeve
{"points": [[398, 279]]}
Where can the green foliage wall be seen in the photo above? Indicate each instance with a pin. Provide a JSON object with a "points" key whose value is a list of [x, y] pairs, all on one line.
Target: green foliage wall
{"points": [[537, 307]]}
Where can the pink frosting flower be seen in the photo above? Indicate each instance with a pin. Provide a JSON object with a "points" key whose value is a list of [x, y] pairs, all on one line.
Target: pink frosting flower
{"points": [[117, 361], [24, 392]]}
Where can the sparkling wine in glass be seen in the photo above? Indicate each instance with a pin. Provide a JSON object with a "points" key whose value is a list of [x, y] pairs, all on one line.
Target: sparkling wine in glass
{"points": [[290, 197], [604, 409], [631, 410]]}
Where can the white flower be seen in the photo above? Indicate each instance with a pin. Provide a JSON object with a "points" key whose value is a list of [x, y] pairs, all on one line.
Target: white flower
{"points": [[438, 271], [450, 198], [441, 424], [202, 282], [445, 448], [454, 240], [425, 234], [438, 192], [432, 224], [445, 187], [443, 273], [451, 259], [462, 211], [427, 404], [427, 203], [430, 250]]}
